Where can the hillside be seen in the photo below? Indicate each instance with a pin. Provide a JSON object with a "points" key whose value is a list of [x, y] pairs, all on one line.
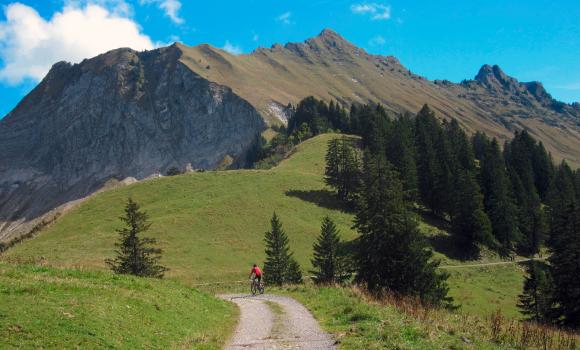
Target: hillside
{"points": [[329, 67], [126, 115], [45, 308], [211, 226]]}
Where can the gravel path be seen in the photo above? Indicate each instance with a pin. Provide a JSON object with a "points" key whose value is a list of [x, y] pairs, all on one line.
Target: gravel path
{"points": [[276, 322]]}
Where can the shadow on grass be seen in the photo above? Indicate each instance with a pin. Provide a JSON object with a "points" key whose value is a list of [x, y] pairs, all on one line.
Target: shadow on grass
{"points": [[447, 246], [442, 242], [322, 198]]}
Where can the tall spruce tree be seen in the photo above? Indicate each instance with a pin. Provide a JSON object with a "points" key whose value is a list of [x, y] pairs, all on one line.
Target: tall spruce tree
{"points": [[280, 266], [470, 224], [392, 253], [400, 151], [543, 168], [329, 260], [498, 198], [564, 244], [531, 218], [428, 166], [535, 302], [136, 254]]}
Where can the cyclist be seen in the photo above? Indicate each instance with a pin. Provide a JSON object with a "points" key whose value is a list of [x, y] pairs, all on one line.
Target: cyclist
{"points": [[257, 273]]}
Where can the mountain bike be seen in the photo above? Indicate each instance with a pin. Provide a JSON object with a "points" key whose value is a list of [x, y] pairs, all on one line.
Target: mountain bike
{"points": [[256, 287]]}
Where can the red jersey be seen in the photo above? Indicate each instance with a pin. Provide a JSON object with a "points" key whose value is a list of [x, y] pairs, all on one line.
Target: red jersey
{"points": [[256, 271]]}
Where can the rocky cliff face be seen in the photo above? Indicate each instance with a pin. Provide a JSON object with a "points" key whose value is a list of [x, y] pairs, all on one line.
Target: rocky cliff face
{"points": [[122, 114]]}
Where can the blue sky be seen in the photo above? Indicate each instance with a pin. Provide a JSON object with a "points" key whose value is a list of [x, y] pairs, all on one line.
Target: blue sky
{"points": [[530, 40]]}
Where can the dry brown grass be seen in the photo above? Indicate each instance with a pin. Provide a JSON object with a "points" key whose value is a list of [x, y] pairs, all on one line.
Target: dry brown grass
{"points": [[496, 328]]}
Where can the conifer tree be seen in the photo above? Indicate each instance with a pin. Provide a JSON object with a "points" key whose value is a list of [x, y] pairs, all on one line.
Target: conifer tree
{"points": [[518, 155], [480, 143], [135, 254], [535, 302], [392, 253], [349, 179], [564, 244], [400, 151], [470, 224], [449, 167], [342, 169], [531, 218], [426, 128], [332, 159], [293, 272], [280, 266], [498, 198], [329, 261], [543, 168]]}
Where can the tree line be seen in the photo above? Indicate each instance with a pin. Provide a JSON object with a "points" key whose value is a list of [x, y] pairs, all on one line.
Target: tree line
{"points": [[511, 199]]}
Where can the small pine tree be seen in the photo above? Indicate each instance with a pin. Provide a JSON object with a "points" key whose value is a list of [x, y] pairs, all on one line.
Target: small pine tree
{"points": [[535, 301], [280, 266], [329, 260], [135, 254], [293, 272]]}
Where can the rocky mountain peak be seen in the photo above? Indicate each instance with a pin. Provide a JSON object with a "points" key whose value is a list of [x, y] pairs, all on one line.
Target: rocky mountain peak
{"points": [[330, 39], [494, 79], [493, 76]]}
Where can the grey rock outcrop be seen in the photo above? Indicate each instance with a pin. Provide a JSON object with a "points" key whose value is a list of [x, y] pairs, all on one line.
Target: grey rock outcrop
{"points": [[121, 114]]}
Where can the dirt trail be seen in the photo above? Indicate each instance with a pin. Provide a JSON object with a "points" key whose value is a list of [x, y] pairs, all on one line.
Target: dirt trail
{"points": [[276, 322], [491, 263]]}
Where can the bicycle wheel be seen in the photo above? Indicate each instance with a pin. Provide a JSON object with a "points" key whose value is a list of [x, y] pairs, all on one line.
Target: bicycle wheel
{"points": [[254, 288]]}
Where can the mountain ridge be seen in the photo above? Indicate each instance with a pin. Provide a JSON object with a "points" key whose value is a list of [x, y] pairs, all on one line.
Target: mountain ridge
{"points": [[128, 114]]}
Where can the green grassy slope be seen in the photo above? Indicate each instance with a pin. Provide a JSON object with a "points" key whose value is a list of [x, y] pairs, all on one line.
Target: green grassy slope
{"points": [[211, 226], [65, 309]]}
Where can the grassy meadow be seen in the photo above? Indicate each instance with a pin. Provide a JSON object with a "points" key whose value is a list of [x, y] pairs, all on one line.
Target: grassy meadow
{"points": [[211, 227], [47, 308]]}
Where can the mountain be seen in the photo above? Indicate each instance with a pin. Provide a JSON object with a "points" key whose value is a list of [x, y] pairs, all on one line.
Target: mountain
{"points": [[128, 115], [120, 115]]}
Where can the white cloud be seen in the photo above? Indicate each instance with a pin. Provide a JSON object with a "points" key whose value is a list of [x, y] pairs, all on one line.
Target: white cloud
{"points": [[377, 40], [233, 49], [29, 44], [376, 11], [255, 37], [285, 17], [170, 7]]}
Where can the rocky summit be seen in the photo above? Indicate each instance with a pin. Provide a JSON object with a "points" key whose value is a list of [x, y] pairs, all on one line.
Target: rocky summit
{"points": [[128, 115]]}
